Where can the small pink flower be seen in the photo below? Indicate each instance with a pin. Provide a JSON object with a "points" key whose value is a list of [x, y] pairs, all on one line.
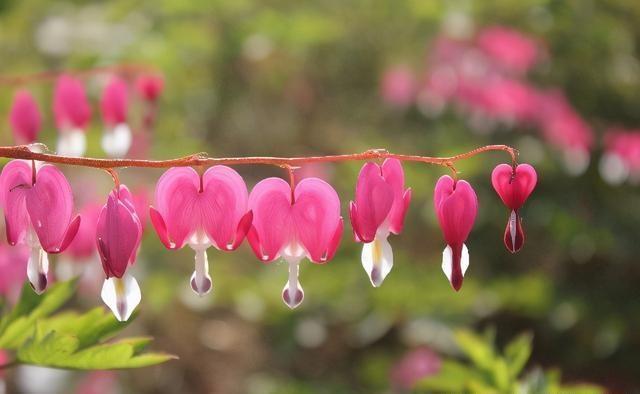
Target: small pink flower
{"points": [[398, 87], [72, 113], [150, 86], [202, 211], [456, 206], [379, 209], [514, 187], [38, 208], [508, 48], [294, 224], [621, 159], [116, 139], [118, 236], [414, 366], [25, 118]]}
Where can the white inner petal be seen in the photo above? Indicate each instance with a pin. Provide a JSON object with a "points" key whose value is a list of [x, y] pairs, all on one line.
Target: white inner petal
{"points": [[37, 269], [72, 143], [200, 280], [447, 260], [513, 225], [121, 295], [117, 141], [292, 293], [377, 259]]}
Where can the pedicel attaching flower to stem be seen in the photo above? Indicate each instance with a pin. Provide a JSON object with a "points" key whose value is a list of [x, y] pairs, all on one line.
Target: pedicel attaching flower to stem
{"points": [[38, 208], [201, 211], [379, 209], [118, 236], [294, 224]]}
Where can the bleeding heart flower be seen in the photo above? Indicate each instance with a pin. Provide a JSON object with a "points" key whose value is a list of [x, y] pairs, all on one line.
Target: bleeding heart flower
{"points": [[379, 209], [72, 113], [38, 207], [294, 224], [514, 187], [456, 206], [116, 139], [25, 118], [150, 86], [202, 211], [118, 236]]}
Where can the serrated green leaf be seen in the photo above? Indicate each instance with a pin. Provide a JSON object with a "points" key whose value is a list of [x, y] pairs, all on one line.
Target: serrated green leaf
{"points": [[479, 351], [517, 353], [18, 325]]}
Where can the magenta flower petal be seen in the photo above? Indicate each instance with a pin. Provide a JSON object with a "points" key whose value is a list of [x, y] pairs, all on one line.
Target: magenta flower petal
{"points": [[514, 187], [374, 199], [114, 102], [70, 234], [335, 240], [270, 201], [15, 181], [150, 86], [70, 105], [224, 204], [243, 229], [176, 202], [394, 176], [316, 213], [25, 117], [161, 228], [50, 206], [118, 233]]}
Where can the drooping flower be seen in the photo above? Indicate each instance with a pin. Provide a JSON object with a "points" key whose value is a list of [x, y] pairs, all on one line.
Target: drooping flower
{"points": [[201, 211], [116, 139], [72, 113], [379, 209], [38, 208], [150, 86], [514, 185], [118, 236], [294, 224], [456, 206], [25, 118]]}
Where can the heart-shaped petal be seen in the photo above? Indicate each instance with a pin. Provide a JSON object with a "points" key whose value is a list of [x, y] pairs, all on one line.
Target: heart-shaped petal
{"points": [[394, 176], [15, 181], [374, 200], [514, 187], [456, 206]]}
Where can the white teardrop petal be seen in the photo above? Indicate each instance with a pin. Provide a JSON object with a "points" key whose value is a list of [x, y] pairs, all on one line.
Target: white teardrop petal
{"points": [[72, 143], [464, 259], [121, 295], [292, 293], [200, 281], [37, 269], [447, 257], [117, 141], [377, 260]]}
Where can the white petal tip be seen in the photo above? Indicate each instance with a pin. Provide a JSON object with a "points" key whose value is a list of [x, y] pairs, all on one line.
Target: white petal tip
{"points": [[377, 260], [121, 295], [201, 286], [72, 143], [117, 141], [296, 300], [39, 284], [447, 265]]}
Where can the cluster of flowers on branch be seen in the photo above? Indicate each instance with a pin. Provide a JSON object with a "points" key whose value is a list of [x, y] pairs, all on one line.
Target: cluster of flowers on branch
{"points": [[289, 220], [485, 79], [72, 110]]}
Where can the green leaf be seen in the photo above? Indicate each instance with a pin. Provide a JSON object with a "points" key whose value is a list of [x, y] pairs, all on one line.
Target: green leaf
{"points": [[474, 346], [517, 353], [18, 325], [453, 377]]}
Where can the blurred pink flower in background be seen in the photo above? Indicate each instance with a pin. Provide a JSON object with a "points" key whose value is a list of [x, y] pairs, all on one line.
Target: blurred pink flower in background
{"points": [[25, 118], [508, 48], [621, 158], [13, 270], [116, 138], [72, 113], [508, 100], [150, 86], [83, 246], [414, 366], [398, 86], [98, 382]]}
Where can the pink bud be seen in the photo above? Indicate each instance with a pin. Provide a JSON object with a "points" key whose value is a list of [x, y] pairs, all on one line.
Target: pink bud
{"points": [[456, 206], [514, 187], [150, 86], [25, 118], [114, 102]]}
